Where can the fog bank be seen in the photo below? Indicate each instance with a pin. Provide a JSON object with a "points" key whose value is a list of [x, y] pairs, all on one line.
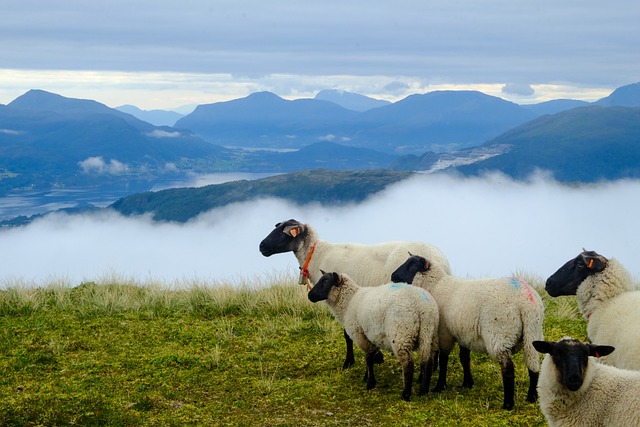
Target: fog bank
{"points": [[486, 226]]}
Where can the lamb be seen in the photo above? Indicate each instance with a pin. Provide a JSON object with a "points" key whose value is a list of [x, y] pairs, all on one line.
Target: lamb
{"points": [[368, 265], [394, 317], [497, 316], [577, 391], [607, 300]]}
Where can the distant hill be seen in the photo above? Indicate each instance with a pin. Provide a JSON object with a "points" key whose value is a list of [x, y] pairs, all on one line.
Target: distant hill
{"points": [[438, 121], [350, 100], [48, 140], [155, 117], [585, 144], [323, 186], [555, 106], [624, 96], [264, 120]]}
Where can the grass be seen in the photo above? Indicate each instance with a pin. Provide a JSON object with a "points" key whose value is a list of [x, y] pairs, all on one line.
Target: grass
{"points": [[124, 354]]}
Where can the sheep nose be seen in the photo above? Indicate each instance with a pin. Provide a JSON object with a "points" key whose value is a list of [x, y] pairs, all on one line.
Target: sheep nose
{"points": [[574, 382]]}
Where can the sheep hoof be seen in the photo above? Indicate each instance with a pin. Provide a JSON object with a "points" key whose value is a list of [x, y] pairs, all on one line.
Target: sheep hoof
{"points": [[438, 388], [348, 363], [467, 384], [406, 396], [508, 406]]}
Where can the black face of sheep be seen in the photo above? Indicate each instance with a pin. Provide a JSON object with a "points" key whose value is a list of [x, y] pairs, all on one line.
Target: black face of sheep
{"points": [[566, 280], [406, 272], [286, 237], [320, 291], [570, 357]]}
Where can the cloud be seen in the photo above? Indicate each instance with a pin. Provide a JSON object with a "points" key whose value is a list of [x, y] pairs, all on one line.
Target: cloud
{"points": [[518, 89], [486, 226], [10, 132], [97, 166], [158, 133]]}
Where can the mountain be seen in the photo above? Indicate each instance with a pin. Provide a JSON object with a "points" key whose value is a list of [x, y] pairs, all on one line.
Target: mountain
{"points": [[555, 106], [155, 117], [625, 96], [437, 121], [264, 120], [49, 140], [323, 186], [586, 144], [349, 100]]}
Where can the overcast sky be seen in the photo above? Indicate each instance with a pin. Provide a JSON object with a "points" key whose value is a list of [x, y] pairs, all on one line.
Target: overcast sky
{"points": [[166, 54], [488, 226]]}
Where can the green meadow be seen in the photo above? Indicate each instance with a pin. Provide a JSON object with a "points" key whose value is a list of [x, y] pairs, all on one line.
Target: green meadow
{"points": [[116, 353]]}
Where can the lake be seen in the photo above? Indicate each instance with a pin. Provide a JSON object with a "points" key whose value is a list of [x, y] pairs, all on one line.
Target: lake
{"points": [[38, 202]]}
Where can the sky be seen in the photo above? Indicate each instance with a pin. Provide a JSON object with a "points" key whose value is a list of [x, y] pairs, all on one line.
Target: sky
{"points": [[488, 226], [173, 54]]}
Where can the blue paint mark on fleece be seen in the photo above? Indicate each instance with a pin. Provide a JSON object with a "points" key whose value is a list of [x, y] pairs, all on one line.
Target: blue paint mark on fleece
{"points": [[397, 286]]}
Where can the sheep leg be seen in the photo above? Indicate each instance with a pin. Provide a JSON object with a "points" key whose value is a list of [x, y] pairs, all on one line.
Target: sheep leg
{"points": [[369, 375], [508, 381], [443, 360], [350, 360], [532, 395], [426, 370], [465, 361], [406, 361]]}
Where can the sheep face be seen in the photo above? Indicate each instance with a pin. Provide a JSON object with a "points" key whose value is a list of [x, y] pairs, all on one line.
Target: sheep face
{"points": [[321, 290], [406, 272], [568, 278], [571, 358], [286, 237]]}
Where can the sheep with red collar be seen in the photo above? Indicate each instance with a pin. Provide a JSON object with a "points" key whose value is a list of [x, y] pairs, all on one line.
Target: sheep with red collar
{"points": [[608, 301], [496, 316], [576, 391], [395, 317], [368, 265]]}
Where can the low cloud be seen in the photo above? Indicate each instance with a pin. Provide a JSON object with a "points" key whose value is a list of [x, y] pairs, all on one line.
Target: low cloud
{"points": [[518, 89], [485, 226], [97, 166], [158, 133], [10, 132]]}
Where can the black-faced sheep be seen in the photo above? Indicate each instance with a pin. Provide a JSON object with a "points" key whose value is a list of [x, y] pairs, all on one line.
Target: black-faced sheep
{"points": [[576, 391], [394, 317], [607, 300], [368, 265], [497, 316]]}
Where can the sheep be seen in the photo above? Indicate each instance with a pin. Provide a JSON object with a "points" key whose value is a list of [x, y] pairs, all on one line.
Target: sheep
{"points": [[577, 391], [394, 317], [497, 316], [368, 265], [608, 302]]}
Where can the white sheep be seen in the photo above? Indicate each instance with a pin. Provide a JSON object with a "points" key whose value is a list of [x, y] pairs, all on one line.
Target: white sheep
{"points": [[497, 316], [607, 300], [394, 317], [368, 265], [576, 391]]}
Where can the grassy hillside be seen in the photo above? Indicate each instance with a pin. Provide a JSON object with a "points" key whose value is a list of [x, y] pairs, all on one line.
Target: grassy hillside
{"points": [[124, 354], [325, 186]]}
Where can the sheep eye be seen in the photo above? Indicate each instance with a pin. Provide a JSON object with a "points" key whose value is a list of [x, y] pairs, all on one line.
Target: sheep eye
{"points": [[580, 265]]}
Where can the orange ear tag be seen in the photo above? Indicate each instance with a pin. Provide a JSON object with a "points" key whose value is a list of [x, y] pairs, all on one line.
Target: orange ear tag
{"points": [[590, 263]]}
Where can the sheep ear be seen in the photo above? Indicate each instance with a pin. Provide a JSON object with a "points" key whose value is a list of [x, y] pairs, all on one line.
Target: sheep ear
{"points": [[292, 230], [595, 262], [323, 272], [338, 279], [427, 265], [600, 350], [543, 347]]}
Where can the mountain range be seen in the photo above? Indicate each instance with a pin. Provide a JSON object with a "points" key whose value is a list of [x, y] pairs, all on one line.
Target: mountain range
{"points": [[50, 141]]}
